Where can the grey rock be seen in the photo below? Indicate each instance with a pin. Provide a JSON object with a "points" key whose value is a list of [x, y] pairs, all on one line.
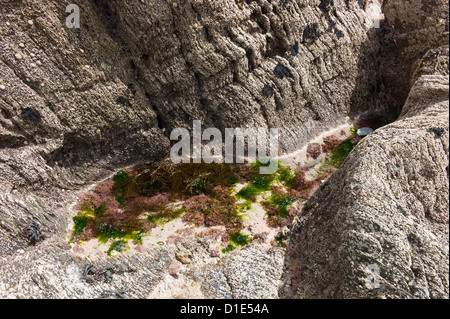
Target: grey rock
{"points": [[412, 28], [174, 268], [78, 104], [253, 273], [108, 94], [214, 283], [366, 234]]}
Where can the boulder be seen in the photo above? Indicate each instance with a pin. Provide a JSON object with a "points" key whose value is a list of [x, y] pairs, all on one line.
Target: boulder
{"points": [[379, 226]]}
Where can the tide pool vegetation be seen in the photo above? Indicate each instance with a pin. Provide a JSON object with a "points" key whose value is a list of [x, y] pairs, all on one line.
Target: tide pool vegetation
{"points": [[237, 240], [336, 157], [133, 202]]}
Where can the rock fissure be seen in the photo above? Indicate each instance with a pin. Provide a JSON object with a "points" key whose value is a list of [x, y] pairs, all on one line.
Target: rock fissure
{"points": [[108, 95]]}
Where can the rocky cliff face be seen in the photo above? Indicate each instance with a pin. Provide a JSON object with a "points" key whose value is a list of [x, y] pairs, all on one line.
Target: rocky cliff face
{"points": [[379, 227], [413, 28], [77, 103]]}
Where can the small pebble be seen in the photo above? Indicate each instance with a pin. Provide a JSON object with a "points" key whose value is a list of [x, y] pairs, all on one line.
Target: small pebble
{"points": [[33, 65], [2, 87], [30, 22], [18, 56], [38, 62], [21, 45], [365, 131], [183, 260], [8, 24]]}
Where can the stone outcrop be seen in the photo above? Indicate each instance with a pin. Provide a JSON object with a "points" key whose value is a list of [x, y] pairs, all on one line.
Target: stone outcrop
{"points": [[76, 104], [379, 226], [411, 29]]}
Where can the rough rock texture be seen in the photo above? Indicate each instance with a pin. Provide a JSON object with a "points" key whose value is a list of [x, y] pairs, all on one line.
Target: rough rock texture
{"points": [[246, 274], [411, 29], [51, 270], [254, 273], [75, 104], [379, 226]]}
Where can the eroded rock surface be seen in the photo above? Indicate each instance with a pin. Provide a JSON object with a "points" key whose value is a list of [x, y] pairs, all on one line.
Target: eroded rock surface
{"points": [[413, 28], [379, 226], [75, 104]]}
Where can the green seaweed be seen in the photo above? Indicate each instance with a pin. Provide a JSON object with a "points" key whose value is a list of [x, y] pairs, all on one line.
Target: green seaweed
{"points": [[241, 210], [249, 192], [336, 157], [119, 246], [153, 189], [258, 184], [228, 249], [340, 153], [87, 210], [121, 180], [281, 203], [256, 166], [286, 176], [120, 177], [180, 180], [137, 237], [237, 240], [262, 182], [100, 210], [234, 179], [247, 205], [80, 223], [108, 231], [120, 200], [240, 239], [165, 216]]}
